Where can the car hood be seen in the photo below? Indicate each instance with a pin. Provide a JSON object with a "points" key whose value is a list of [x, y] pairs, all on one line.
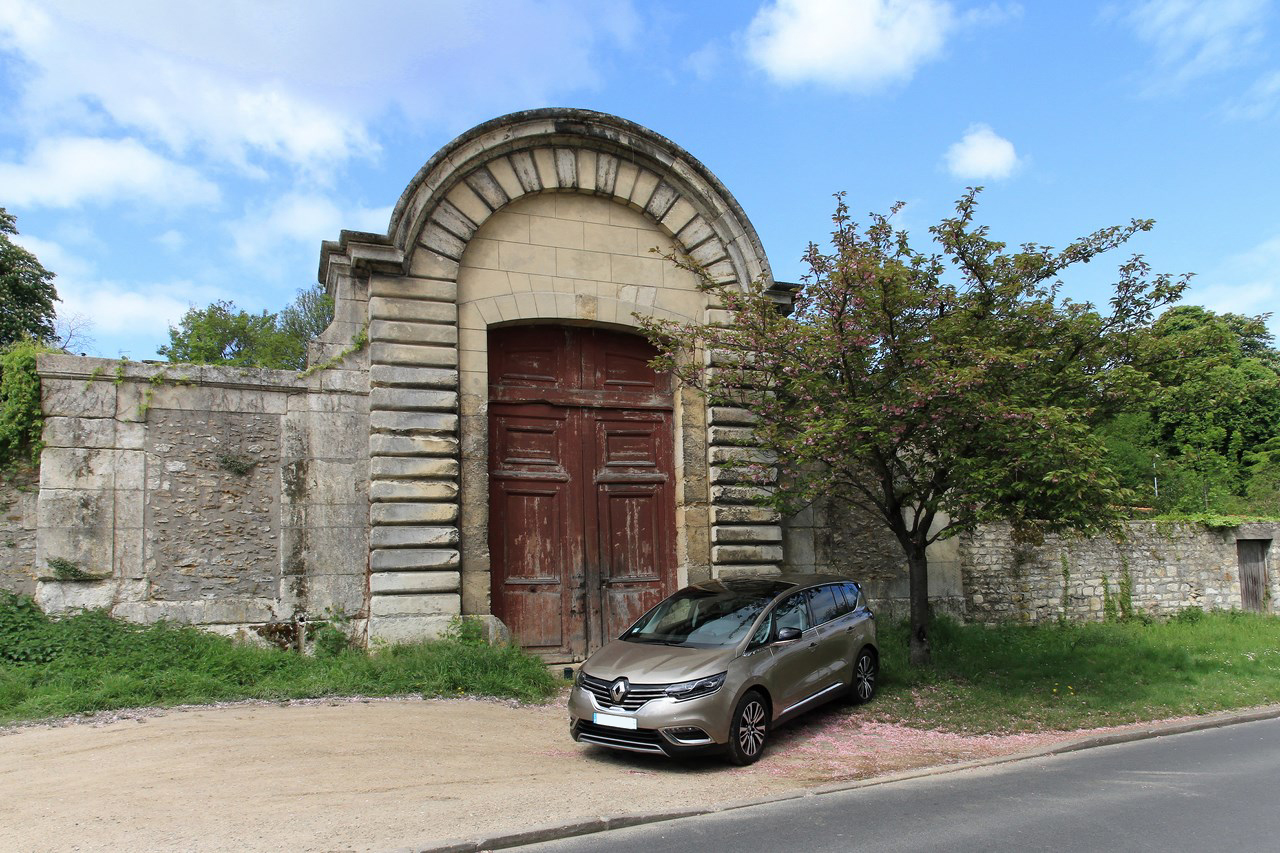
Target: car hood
{"points": [[644, 663]]}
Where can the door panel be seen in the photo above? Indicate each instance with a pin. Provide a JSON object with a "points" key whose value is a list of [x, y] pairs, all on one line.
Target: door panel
{"points": [[635, 515], [1252, 557], [531, 507], [581, 485]]}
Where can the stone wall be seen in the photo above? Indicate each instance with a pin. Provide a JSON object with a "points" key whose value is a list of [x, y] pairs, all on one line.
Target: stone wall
{"points": [[18, 533], [228, 498], [1166, 567]]}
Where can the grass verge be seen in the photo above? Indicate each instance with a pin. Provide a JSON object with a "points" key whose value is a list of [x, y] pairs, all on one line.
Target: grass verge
{"points": [[90, 662], [1021, 678]]}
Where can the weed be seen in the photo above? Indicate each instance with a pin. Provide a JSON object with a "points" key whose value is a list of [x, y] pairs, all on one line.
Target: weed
{"points": [[91, 662], [236, 464], [66, 570]]}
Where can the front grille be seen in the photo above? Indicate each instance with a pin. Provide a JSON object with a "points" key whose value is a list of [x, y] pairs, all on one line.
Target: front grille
{"points": [[635, 740], [640, 693]]}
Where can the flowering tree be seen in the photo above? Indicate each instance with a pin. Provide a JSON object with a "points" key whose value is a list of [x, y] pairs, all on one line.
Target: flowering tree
{"points": [[934, 391]]}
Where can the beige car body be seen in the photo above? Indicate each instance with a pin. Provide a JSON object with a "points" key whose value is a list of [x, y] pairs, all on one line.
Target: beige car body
{"points": [[793, 676]]}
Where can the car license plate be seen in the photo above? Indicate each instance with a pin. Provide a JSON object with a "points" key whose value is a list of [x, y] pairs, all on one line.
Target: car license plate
{"points": [[615, 721]]}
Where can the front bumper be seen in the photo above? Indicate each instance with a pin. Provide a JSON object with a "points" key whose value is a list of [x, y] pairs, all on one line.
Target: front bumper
{"points": [[663, 726]]}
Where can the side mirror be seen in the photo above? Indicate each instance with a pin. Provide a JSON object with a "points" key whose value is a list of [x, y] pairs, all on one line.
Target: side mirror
{"points": [[786, 635]]}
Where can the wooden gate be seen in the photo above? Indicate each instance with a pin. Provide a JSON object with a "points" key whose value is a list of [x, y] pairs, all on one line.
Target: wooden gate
{"points": [[1252, 557], [581, 485]]}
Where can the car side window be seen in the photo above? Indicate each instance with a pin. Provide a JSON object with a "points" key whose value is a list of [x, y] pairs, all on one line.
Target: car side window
{"points": [[793, 612], [826, 606], [853, 595]]}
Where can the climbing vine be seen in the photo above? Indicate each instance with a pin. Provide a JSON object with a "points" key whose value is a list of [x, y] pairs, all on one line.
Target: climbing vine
{"points": [[21, 420]]}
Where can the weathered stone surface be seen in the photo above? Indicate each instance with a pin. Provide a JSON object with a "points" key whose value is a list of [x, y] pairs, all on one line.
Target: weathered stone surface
{"points": [[407, 629], [412, 333], [737, 534], [413, 377], [394, 467], [413, 422], [409, 536], [443, 604], [412, 558], [393, 583], [18, 495], [725, 554], [384, 444], [413, 399], [413, 513], [413, 355], [412, 490]]}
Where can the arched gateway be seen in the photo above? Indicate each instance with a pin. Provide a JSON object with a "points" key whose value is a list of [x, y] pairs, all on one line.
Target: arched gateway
{"points": [[524, 460]]}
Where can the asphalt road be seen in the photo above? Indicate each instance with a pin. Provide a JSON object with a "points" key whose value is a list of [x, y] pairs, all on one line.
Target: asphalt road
{"points": [[1208, 790]]}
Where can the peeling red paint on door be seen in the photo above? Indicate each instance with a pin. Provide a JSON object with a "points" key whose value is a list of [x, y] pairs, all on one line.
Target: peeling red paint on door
{"points": [[581, 484]]}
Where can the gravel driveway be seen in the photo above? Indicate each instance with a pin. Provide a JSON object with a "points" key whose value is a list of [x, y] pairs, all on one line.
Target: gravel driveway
{"points": [[381, 774]]}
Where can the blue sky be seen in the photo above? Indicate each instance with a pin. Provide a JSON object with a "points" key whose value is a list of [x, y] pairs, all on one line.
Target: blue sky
{"points": [[162, 154]]}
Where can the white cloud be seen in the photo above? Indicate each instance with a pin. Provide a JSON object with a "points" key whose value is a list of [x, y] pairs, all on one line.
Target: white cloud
{"points": [[1247, 283], [1260, 101], [981, 154], [298, 81], [300, 218], [69, 171], [1192, 38], [859, 45]]}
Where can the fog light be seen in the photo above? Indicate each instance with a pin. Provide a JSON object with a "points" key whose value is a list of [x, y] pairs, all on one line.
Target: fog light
{"points": [[686, 734]]}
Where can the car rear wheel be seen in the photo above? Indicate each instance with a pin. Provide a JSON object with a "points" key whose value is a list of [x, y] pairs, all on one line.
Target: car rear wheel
{"points": [[866, 670], [750, 728]]}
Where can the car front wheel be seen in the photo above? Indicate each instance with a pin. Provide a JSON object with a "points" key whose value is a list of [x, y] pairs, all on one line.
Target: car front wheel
{"points": [[750, 728], [865, 672]]}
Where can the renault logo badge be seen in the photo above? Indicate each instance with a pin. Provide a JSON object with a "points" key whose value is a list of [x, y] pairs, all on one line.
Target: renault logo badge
{"points": [[619, 690]]}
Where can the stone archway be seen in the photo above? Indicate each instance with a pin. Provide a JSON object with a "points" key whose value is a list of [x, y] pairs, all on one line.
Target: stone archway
{"points": [[458, 259]]}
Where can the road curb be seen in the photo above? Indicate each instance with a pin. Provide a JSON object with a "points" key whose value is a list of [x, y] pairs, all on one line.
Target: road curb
{"points": [[589, 826]]}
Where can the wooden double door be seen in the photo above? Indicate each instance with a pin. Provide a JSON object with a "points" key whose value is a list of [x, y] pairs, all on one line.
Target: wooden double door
{"points": [[581, 485]]}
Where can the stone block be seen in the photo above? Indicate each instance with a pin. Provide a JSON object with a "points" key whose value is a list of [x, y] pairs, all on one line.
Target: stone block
{"points": [[413, 513], [407, 467], [59, 597], [739, 534], [412, 490], [397, 583], [413, 399], [78, 398], [384, 630], [77, 432], [412, 333], [383, 444], [444, 289], [441, 604], [520, 257], [412, 310], [423, 264], [731, 416], [91, 469], [725, 554], [413, 355], [411, 536], [386, 375], [399, 559], [545, 231], [407, 422], [505, 174]]}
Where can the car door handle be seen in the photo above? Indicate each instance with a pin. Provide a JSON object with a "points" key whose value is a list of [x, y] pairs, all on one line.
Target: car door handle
{"points": [[849, 630]]}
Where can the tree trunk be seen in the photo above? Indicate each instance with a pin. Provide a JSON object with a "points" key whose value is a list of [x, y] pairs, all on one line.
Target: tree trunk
{"points": [[918, 574]]}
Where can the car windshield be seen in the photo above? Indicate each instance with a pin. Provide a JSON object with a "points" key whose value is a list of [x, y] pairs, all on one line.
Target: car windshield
{"points": [[710, 616]]}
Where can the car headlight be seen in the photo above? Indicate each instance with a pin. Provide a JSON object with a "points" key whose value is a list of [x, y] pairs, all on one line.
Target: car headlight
{"points": [[697, 687]]}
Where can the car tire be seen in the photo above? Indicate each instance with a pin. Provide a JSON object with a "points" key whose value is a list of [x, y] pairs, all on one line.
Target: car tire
{"points": [[866, 672], [750, 728]]}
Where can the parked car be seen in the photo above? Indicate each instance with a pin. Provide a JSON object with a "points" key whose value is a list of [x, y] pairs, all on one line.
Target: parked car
{"points": [[718, 665]]}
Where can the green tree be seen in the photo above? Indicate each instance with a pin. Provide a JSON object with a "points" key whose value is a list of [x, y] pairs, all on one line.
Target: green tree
{"points": [[223, 334], [1217, 405], [27, 293], [934, 391]]}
